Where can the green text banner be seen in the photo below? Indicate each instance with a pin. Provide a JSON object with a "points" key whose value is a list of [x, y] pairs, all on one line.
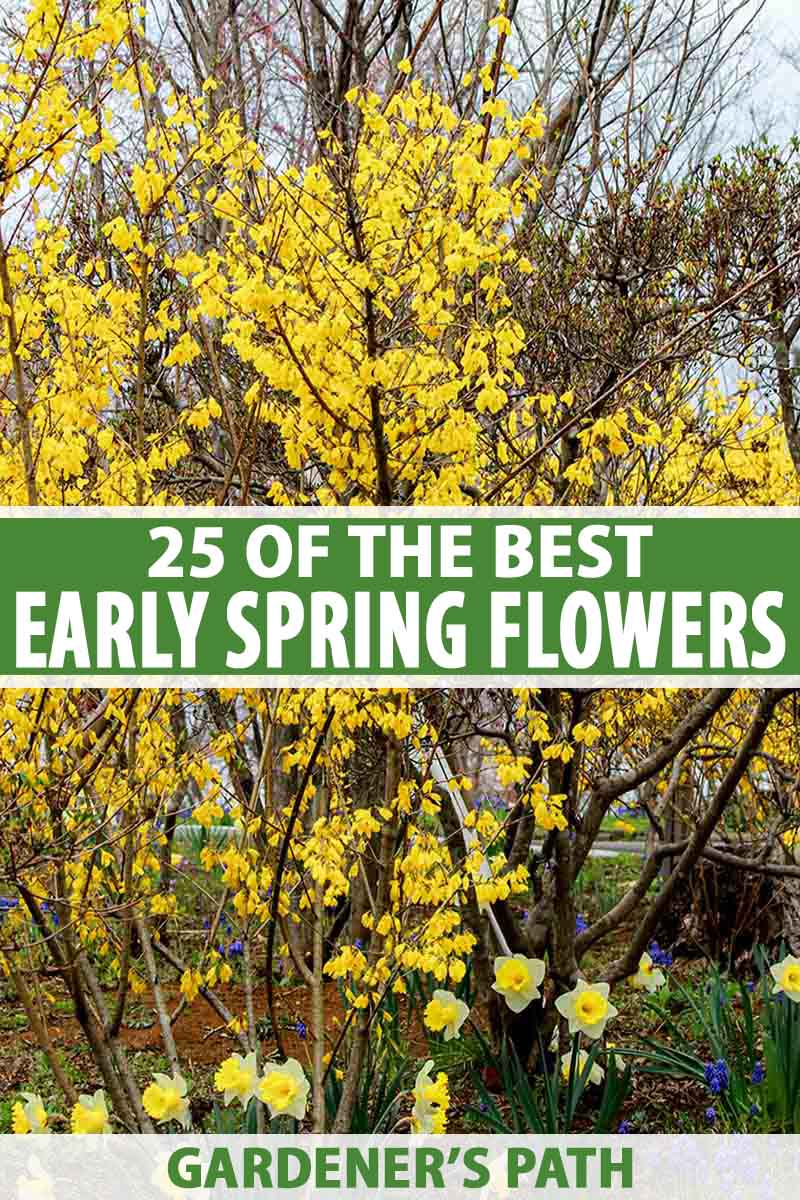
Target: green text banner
{"points": [[389, 597]]}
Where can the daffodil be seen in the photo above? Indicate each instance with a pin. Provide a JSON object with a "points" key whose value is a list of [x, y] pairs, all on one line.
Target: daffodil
{"points": [[284, 1089], [431, 1101], [587, 1008], [237, 1078], [90, 1114], [165, 1100], [30, 1116], [596, 1075], [517, 979], [446, 1014], [648, 977], [787, 977]]}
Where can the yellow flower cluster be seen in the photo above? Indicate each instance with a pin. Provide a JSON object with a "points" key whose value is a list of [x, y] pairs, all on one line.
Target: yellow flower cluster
{"points": [[283, 1087]]}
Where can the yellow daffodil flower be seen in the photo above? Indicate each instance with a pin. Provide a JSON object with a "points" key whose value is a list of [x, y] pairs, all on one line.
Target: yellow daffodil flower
{"points": [[587, 1008], [284, 1089], [446, 1014], [165, 1100], [431, 1101], [237, 1078], [30, 1116], [517, 979], [90, 1114], [787, 977], [596, 1075], [648, 977]]}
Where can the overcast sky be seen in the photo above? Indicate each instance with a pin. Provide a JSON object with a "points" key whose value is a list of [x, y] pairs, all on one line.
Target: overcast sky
{"points": [[776, 89]]}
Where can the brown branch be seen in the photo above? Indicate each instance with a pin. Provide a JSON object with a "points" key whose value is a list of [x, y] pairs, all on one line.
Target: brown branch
{"points": [[281, 867], [697, 843]]}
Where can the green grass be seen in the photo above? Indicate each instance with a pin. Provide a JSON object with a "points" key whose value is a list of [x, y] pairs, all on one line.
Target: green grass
{"points": [[10, 1020], [458, 1055], [602, 881]]}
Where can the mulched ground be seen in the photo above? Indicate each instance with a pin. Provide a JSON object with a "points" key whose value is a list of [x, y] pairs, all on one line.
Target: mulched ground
{"points": [[199, 1034]]}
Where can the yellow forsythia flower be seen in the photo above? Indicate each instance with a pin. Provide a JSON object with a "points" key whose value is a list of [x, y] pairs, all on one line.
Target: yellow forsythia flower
{"points": [[191, 982], [549, 813]]}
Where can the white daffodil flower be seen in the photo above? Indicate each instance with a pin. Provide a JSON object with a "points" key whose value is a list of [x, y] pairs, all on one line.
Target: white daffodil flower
{"points": [[587, 1008], [517, 979]]}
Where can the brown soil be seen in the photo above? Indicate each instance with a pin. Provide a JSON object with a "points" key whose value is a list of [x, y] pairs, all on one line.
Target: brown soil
{"points": [[200, 1035]]}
